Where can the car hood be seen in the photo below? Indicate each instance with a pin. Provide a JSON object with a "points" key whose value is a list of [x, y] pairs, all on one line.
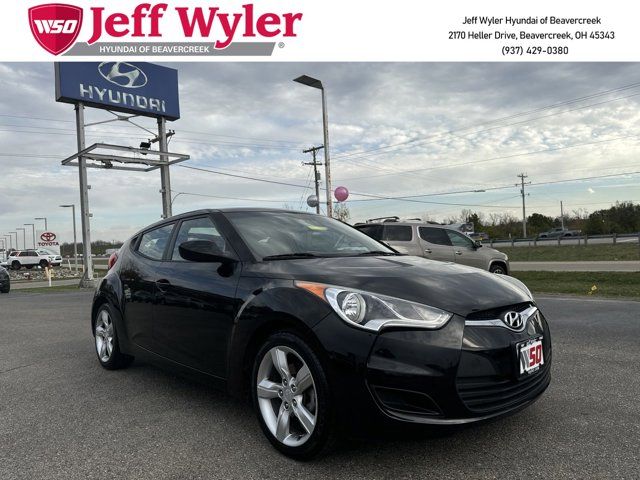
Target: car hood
{"points": [[451, 287]]}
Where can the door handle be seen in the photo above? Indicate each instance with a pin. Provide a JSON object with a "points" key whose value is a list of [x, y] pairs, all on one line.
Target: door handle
{"points": [[458, 252], [427, 250]]}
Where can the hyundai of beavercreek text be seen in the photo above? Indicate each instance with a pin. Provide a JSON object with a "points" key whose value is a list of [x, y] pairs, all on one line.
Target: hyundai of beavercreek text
{"points": [[322, 326]]}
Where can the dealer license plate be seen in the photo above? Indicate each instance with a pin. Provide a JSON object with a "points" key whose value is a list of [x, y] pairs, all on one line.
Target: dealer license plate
{"points": [[530, 356]]}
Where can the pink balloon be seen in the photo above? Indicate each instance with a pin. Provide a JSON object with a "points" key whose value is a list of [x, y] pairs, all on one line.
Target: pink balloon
{"points": [[341, 194]]}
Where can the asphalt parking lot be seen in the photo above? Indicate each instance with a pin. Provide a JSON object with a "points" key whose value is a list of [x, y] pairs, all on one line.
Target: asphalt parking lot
{"points": [[63, 417]]}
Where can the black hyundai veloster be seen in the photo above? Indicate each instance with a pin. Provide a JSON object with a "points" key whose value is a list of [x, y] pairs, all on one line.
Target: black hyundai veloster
{"points": [[320, 324]]}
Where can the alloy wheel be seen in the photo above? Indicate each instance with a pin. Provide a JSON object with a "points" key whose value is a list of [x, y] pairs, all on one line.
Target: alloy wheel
{"points": [[104, 336], [287, 396]]}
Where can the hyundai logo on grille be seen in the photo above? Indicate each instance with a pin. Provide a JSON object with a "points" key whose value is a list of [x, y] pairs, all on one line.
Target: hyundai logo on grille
{"points": [[123, 74], [513, 320]]}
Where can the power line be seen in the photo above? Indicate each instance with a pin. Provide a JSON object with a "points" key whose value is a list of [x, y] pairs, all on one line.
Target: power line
{"points": [[492, 159], [227, 198], [502, 187], [421, 143]]}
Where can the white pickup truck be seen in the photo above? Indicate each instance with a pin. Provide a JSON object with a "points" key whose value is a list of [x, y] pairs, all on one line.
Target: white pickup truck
{"points": [[32, 258]]}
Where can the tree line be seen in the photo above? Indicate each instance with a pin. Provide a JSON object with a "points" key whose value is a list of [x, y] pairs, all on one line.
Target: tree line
{"points": [[623, 217]]}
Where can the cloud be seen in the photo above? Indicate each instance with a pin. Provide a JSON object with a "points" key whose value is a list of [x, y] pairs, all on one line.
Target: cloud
{"points": [[395, 129]]}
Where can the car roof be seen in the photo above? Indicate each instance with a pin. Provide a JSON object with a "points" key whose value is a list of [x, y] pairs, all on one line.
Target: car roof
{"points": [[408, 224], [206, 211]]}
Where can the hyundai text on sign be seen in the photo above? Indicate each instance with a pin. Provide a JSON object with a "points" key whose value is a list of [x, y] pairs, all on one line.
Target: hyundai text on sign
{"points": [[139, 88]]}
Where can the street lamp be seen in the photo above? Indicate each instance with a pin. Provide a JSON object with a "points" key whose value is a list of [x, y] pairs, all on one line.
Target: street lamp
{"points": [[33, 228], [24, 239], [10, 242], [16, 234], [75, 243], [315, 83], [45, 222]]}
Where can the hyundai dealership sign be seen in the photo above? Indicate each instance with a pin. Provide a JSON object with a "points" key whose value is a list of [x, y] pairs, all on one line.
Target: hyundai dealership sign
{"points": [[138, 88]]}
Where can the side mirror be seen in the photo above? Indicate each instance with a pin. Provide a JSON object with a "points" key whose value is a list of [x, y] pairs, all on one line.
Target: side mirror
{"points": [[478, 243], [204, 251]]}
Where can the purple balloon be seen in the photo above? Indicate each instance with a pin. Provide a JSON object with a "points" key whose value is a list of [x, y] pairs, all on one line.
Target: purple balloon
{"points": [[341, 194]]}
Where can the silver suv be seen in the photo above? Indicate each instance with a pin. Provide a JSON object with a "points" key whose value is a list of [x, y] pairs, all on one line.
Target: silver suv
{"points": [[437, 242]]}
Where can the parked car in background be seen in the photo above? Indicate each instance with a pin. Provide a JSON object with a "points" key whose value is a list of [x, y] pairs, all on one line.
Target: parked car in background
{"points": [[560, 232], [5, 281], [437, 242], [322, 326], [32, 258], [482, 236], [55, 260]]}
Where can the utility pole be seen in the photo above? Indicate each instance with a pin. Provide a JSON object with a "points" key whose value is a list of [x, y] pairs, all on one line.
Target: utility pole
{"points": [[165, 178], [87, 280], [561, 215], [522, 176], [316, 175]]}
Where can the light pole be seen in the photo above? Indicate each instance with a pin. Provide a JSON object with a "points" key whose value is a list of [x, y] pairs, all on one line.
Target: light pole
{"points": [[33, 229], [10, 242], [315, 83], [75, 243], [24, 238], [16, 234], [45, 222]]}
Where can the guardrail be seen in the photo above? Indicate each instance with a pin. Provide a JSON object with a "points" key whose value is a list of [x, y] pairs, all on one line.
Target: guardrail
{"points": [[613, 239]]}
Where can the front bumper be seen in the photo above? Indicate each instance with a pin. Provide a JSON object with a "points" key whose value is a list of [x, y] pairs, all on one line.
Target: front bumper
{"points": [[455, 375]]}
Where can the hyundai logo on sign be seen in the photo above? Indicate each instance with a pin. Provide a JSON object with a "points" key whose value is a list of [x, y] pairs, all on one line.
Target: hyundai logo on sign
{"points": [[138, 88], [123, 74]]}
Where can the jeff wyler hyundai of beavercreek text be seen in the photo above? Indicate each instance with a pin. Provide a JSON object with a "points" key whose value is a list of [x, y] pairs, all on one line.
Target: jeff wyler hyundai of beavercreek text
{"points": [[321, 325]]}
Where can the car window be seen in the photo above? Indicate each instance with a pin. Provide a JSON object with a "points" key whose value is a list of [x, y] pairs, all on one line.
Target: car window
{"points": [[154, 242], [398, 233], [374, 231], [199, 229], [282, 233], [459, 239], [436, 236]]}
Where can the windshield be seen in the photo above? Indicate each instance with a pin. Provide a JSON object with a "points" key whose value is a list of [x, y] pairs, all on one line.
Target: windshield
{"points": [[290, 234]]}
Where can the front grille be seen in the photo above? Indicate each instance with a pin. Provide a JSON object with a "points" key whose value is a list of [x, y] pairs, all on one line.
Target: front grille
{"points": [[497, 312], [488, 395]]}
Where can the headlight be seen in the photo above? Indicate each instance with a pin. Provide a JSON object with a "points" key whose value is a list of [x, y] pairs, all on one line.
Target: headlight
{"points": [[372, 311]]}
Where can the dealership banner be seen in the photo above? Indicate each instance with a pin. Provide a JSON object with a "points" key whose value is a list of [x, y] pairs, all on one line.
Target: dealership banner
{"points": [[312, 30]]}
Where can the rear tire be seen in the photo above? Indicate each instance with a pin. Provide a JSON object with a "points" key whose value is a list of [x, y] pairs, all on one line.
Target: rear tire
{"points": [[106, 340], [291, 396]]}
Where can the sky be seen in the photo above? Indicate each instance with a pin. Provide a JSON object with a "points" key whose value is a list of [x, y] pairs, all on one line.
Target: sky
{"points": [[422, 130]]}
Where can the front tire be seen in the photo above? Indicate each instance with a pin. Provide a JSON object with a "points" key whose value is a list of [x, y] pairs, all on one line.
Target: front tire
{"points": [[498, 269], [291, 396], [106, 341], [15, 265]]}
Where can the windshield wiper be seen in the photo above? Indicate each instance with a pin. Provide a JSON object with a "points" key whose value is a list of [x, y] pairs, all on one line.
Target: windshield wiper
{"points": [[285, 256], [375, 253]]}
